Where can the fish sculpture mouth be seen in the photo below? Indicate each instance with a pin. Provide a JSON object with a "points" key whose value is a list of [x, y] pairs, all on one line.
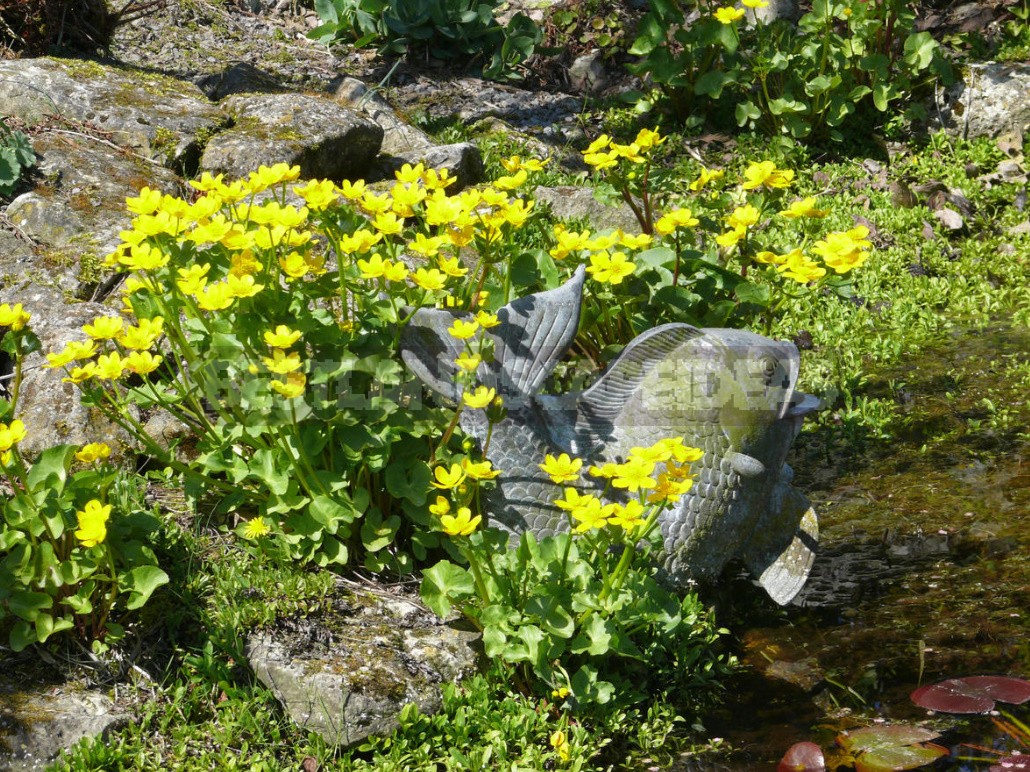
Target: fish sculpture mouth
{"points": [[731, 393]]}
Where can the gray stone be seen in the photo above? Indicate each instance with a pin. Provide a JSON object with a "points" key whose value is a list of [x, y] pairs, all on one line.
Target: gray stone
{"points": [[587, 73], [399, 137], [324, 138], [991, 100], [776, 9], [52, 410], [36, 726], [348, 676], [164, 119], [568, 202], [238, 78], [74, 215]]}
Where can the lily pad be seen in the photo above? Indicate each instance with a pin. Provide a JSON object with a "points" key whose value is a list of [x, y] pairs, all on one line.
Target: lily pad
{"points": [[1012, 764], [976, 694], [803, 757], [889, 748]]}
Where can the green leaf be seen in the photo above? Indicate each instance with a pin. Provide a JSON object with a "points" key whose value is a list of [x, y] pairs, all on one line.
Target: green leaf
{"points": [[377, 533], [445, 584], [881, 93], [27, 604], [746, 112], [920, 49], [759, 294], [711, 83], [22, 635], [408, 479], [141, 583], [551, 615], [51, 468], [272, 468]]}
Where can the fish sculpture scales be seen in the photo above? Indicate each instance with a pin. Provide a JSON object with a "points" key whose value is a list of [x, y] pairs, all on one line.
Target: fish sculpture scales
{"points": [[729, 392]]}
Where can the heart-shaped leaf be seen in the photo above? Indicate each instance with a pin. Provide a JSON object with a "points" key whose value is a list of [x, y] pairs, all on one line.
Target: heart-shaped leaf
{"points": [[802, 757], [976, 694], [889, 748]]}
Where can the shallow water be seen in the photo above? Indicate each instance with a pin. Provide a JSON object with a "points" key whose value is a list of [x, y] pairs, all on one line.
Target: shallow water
{"points": [[925, 568]]}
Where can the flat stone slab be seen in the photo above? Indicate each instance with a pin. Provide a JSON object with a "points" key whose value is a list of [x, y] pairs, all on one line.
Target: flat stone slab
{"points": [[162, 118], [347, 676], [324, 138], [35, 726]]}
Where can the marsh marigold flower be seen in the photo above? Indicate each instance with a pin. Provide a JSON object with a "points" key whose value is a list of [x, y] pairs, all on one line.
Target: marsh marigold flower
{"points": [[480, 398], [765, 173], [562, 468], [479, 470], [460, 524], [729, 14], [610, 268], [292, 387], [448, 478], [92, 523], [281, 337], [93, 451], [11, 435], [462, 329], [804, 208], [104, 327]]}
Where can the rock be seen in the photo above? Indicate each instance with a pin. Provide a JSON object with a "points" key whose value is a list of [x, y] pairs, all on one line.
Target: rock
{"points": [[567, 202], [463, 160], [36, 727], [325, 139], [950, 219], [74, 215], [52, 410], [237, 78], [774, 9], [348, 675], [162, 118], [587, 74], [992, 100]]}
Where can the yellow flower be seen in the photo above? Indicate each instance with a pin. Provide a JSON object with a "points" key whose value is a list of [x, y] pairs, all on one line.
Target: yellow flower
{"points": [[591, 515], [599, 144], [292, 387], [804, 208], [388, 223], [242, 286], [481, 470], [844, 251], [558, 738], [207, 183], [646, 139], [510, 182], [193, 279], [634, 475], [452, 267], [602, 243], [429, 279], [281, 363], [282, 337], [213, 231], [468, 362], [109, 367], [11, 435], [610, 269], [480, 398], [104, 327], [461, 524], [730, 238], [373, 268], [255, 528], [447, 479], [80, 374], [769, 258], [360, 242], [568, 242], [147, 202], [410, 174], [669, 488], [144, 257], [706, 176], [92, 523], [441, 507], [463, 330], [76, 349], [801, 268], [743, 217], [352, 190], [268, 176], [215, 297], [487, 320], [639, 241], [627, 516], [141, 362], [560, 693], [601, 161], [729, 14], [437, 179], [573, 500], [608, 471], [427, 246], [765, 173], [630, 152], [395, 272], [93, 451], [317, 194], [143, 335], [674, 220], [561, 469]]}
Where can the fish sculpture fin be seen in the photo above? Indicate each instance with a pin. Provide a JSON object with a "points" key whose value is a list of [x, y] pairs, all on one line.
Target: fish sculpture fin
{"points": [[429, 350], [534, 333], [601, 404], [781, 565], [745, 465]]}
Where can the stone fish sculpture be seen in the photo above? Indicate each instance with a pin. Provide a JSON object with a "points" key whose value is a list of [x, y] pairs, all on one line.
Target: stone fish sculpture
{"points": [[728, 392]]}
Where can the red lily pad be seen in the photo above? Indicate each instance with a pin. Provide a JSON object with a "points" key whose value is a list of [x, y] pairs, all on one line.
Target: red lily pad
{"points": [[891, 748], [976, 694], [1012, 764], [803, 757]]}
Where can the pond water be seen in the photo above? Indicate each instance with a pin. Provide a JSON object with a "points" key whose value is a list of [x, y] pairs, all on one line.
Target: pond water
{"points": [[924, 572]]}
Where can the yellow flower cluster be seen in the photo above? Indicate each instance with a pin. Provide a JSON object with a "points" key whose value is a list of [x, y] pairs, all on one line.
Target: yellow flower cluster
{"points": [[10, 435], [119, 349], [255, 528], [604, 153], [460, 481], [638, 474], [93, 451], [14, 317]]}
